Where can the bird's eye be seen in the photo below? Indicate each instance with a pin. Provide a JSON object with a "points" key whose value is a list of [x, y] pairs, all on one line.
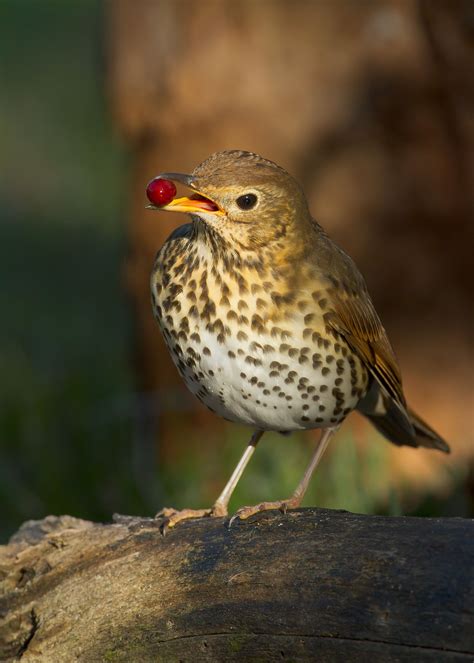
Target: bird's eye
{"points": [[247, 201]]}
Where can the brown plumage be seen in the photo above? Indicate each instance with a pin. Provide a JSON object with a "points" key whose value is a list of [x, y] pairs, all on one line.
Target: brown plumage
{"points": [[269, 322]]}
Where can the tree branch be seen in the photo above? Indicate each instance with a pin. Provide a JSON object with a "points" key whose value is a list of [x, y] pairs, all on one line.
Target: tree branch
{"points": [[310, 584]]}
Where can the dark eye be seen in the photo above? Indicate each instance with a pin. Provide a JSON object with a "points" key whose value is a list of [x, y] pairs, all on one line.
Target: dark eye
{"points": [[247, 201]]}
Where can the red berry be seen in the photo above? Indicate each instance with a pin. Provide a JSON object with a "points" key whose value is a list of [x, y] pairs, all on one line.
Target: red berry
{"points": [[160, 192]]}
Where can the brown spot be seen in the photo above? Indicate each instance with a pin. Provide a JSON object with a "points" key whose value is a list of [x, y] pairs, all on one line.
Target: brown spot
{"points": [[302, 305], [257, 322], [252, 360]]}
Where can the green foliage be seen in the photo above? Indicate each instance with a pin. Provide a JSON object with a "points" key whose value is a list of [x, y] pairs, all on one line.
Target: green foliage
{"points": [[66, 404]]}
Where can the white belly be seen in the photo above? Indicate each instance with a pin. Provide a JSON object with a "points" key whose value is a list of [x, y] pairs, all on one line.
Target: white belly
{"points": [[291, 387]]}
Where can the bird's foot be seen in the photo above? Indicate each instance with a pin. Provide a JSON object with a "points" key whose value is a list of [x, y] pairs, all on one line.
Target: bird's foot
{"points": [[172, 517], [282, 505]]}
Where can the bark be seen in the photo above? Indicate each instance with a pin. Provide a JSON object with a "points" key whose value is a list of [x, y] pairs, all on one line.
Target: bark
{"points": [[310, 585]]}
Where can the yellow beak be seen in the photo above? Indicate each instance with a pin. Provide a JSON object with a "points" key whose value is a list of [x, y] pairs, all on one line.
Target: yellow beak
{"points": [[193, 204]]}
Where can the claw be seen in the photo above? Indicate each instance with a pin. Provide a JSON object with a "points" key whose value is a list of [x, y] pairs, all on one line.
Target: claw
{"points": [[247, 511], [172, 516]]}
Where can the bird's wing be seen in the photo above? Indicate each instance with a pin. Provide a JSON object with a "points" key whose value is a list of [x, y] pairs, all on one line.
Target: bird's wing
{"points": [[355, 318], [353, 315]]}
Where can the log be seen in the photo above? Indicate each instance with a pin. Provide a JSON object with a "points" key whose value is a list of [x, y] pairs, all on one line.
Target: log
{"points": [[312, 584]]}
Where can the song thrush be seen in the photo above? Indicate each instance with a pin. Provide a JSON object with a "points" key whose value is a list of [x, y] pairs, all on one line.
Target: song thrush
{"points": [[268, 321]]}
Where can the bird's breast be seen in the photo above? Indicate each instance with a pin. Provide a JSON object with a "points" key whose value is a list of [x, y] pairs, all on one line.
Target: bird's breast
{"points": [[252, 348]]}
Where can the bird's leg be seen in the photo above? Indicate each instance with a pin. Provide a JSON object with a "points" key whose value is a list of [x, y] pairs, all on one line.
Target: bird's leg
{"points": [[219, 509], [222, 502], [295, 500]]}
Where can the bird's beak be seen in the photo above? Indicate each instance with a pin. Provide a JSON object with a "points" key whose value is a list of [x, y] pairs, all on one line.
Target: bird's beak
{"points": [[193, 204]]}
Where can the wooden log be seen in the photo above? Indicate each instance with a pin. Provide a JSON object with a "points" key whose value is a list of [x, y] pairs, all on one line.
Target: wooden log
{"points": [[309, 585]]}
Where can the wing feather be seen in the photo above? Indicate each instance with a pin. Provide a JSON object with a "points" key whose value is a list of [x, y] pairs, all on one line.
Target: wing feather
{"points": [[352, 314]]}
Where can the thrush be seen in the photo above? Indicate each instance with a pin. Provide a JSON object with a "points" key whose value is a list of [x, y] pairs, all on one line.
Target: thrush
{"points": [[268, 321]]}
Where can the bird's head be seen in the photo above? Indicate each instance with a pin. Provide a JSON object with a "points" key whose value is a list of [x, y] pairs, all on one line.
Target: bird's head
{"points": [[248, 201]]}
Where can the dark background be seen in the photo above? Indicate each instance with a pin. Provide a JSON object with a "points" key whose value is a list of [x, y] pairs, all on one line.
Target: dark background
{"points": [[369, 104]]}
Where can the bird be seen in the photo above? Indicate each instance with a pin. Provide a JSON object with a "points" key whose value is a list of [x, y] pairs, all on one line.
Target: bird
{"points": [[268, 321]]}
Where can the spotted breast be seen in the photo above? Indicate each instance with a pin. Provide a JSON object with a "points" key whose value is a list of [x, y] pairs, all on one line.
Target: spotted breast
{"points": [[251, 346]]}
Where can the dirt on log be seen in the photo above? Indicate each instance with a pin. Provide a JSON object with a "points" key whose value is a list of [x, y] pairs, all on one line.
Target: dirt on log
{"points": [[309, 585]]}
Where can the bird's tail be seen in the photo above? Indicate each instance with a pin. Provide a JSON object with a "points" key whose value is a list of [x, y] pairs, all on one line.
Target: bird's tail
{"points": [[425, 435], [400, 425]]}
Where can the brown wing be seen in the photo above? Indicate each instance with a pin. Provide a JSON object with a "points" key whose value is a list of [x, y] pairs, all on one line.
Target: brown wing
{"points": [[353, 315], [356, 319]]}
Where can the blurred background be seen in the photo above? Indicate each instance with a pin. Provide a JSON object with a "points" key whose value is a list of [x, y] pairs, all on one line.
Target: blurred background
{"points": [[369, 103]]}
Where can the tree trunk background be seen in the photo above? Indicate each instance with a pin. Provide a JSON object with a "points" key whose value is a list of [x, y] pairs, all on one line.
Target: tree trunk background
{"points": [[309, 585], [369, 104]]}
